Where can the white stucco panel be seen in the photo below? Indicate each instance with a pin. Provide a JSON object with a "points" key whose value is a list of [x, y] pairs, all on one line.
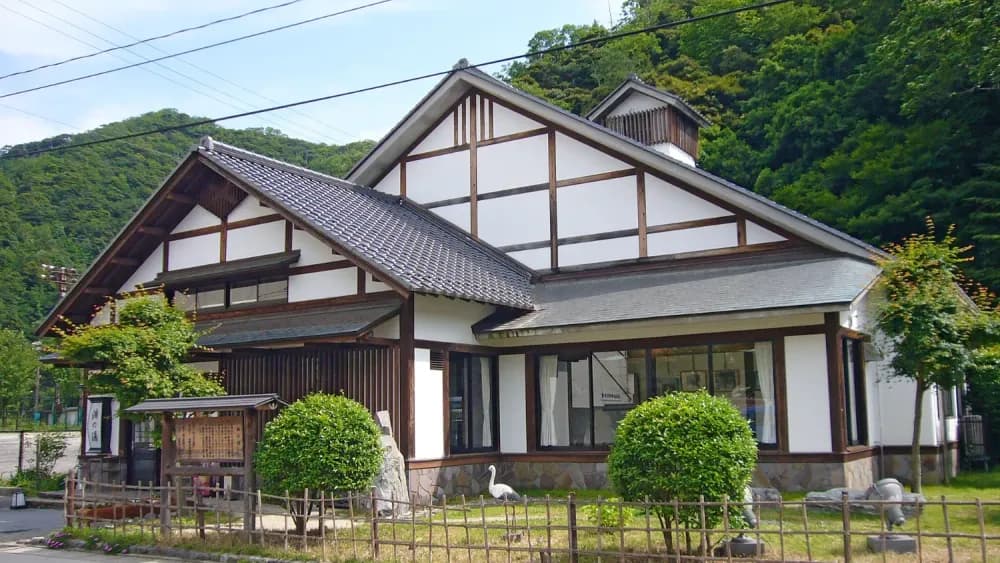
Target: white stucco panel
{"points": [[390, 183], [507, 121], [536, 258], [197, 218], [447, 320], [514, 219], [256, 240], [598, 251], [249, 208], [322, 285], [674, 152], [460, 215], [194, 251], [574, 159], [387, 329], [666, 204], [597, 207], [371, 285], [311, 249], [428, 407], [895, 409], [808, 395], [513, 429], [513, 164], [759, 235], [442, 177], [442, 136], [150, 267], [692, 240]]}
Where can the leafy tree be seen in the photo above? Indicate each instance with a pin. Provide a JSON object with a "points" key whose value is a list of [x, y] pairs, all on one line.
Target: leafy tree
{"points": [[142, 355], [683, 446], [927, 318], [18, 362], [319, 443]]}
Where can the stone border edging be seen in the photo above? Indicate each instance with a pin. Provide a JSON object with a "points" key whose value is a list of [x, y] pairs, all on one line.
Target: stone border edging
{"points": [[177, 553]]}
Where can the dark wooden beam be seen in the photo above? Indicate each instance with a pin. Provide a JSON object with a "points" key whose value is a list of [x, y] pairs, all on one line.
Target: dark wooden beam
{"points": [[473, 170], [97, 291], [125, 261], [835, 380], [406, 349], [150, 230], [181, 198], [553, 225]]}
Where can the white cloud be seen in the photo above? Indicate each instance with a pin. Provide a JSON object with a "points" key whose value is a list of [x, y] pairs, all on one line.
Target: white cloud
{"points": [[18, 128]]}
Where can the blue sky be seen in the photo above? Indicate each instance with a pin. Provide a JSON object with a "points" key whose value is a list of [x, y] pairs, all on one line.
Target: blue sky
{"points": [[395, 40]]}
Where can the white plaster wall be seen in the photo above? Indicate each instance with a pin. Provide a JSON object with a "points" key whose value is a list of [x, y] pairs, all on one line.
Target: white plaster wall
{"points": [[635, 101], [512, 164], [666, 203], [896, 397], [387, 329], [311, 249], [441, 177], [536, 258], [321, 285], [674, 152], [428, 407], [597, 207], [574, 159], [459, 214], [197, 218], [194, 251], [660, 327], [447, 320], [514, 219], [513, 403], [102, 316], [759, 235], [150, 267], [506, 121], [249, 208], [390, 183], [598, 251], [692, 240], [442, 136], [256, 240], [808, 394], [371, 286]]}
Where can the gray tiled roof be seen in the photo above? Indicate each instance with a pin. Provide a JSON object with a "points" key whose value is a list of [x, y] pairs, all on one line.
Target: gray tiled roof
{"points": [[277, 327], [183, 404], [776, 282], [408, 244]]}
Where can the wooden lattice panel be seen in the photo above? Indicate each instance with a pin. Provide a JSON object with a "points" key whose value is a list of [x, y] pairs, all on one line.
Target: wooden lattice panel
{"points": [[209, 438]]}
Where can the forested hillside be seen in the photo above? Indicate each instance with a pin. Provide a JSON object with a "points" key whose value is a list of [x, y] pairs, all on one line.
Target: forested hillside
{"points": [[64, 207], [866, 114]]}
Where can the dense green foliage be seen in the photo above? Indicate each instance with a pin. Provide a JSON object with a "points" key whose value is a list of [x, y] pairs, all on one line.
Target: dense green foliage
{"points": [[682, 446], [18, 362], [321, 442], [142, 354], [64, 207], [868, 116]]}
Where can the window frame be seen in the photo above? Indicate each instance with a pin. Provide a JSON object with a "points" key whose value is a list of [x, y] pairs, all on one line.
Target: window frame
{"points": [[853, 372], [494, 379]]}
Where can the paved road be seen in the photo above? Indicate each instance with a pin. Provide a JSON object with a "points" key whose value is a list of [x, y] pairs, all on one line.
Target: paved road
{"points": [[9, 446], [27, 522], [14, 553]]}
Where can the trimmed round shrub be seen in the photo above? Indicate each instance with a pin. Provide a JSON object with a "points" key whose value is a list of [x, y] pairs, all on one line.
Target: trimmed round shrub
{"points": [[682, 446], [322, 443]]}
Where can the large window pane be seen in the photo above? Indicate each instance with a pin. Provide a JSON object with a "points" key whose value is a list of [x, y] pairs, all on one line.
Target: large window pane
{"points": [[744, 374], [616, 377], [680, 369], [471, 384], [211, 298], [854, 393], [243, 294], [273, 290]]}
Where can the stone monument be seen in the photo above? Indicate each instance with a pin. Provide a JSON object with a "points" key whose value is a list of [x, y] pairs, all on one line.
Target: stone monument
{"points": [[390, 482], [890, 493]]}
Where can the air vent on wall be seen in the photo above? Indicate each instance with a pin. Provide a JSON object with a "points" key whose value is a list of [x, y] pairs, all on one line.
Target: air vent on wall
{"points": [[438, 359]]}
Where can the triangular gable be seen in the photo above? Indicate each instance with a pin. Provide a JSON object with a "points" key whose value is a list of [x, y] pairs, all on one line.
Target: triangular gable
{"points": [[754, 218]]}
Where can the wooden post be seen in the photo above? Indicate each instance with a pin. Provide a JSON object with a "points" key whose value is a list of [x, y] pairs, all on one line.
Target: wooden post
{"points": [[846, 517], [982, 528], [571, 523], [447, 536], [69, 498], [486, 531], [374, 526], [249, 478], [947, 528], [20, 451], [465, 519], [805, 526]]}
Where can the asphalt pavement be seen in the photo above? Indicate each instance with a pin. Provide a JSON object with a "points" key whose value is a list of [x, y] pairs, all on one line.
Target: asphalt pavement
{"points": [[15, 553]]}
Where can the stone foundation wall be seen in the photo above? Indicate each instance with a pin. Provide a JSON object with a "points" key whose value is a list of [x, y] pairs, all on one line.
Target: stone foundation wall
{"points": [[897, 465], [473, 479]]}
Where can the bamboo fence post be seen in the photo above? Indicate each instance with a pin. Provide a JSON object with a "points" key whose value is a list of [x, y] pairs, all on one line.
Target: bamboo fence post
{"points": [[114, 512], [881, 527], [374, 525], [228, 496], [676, 532], [165, 525], [350, 518], [395, 545], [982, 528], [199, 513], [430, 531], [920, 543], [947, 528], [305, 520], [288, 510], [703, 542], [621, 529], [781, 528], [600, 528], [333, 518], [179, 485], [527, 527], [465, 517], [548, 526], [322, 524], [260, 516], [725, 525], [649, 531], [68, 500], [413, 527], [83, 501], [447, 535], [805, 527], [486, 534], [846, 522], [571, 521]]}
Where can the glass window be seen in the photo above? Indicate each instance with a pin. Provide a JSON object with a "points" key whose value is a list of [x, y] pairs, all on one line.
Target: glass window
{"points": [[242, 294], [276, 290], [471, 404], [211, 298], [854, 393]]}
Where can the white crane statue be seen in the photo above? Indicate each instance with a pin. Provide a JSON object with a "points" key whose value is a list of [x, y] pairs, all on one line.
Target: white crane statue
{"points": [[501, 491]]}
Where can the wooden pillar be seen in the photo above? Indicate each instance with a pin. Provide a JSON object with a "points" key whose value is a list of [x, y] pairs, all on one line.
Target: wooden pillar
{"points": [[530, 411], [168, 457], [835, 378], [250, 417], [406, 347]]}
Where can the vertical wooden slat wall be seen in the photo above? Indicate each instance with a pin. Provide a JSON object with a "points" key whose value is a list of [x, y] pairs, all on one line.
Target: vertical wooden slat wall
{"points": [[367, 374]]}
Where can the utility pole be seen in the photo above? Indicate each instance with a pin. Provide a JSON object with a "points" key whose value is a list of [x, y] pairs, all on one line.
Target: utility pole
{"points": [[63, 277]]}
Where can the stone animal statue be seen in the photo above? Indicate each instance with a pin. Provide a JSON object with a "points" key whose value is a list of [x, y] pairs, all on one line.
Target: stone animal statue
{"points": [[748, 513], [891, 491]]}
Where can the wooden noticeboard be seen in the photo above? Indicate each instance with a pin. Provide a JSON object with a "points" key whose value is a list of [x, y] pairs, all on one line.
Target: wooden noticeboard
{"points": [[209, 438]]}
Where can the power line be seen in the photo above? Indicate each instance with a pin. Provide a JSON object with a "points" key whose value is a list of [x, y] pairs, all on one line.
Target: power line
{"points": [[300, 125], [211, 89], [196, 49], [155, 38], [383, 85]]}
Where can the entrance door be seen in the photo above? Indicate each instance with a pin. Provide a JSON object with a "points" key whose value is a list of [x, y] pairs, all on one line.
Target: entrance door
{"points": [[144, 461]]}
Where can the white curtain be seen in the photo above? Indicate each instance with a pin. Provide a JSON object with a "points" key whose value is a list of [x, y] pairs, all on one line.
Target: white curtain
{"points": [[548, 379], [764, 413], [484, 374]]}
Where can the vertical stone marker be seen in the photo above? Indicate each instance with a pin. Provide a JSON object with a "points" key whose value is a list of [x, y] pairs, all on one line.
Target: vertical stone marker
{"points": [[390, 482]]}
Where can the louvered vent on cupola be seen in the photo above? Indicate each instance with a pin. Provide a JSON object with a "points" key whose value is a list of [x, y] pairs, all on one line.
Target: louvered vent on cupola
{"points": [[653, 117]]}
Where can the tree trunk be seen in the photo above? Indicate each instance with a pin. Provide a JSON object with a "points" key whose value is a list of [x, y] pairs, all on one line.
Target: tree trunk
{"points": [[915, 465], [666, 527]]}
